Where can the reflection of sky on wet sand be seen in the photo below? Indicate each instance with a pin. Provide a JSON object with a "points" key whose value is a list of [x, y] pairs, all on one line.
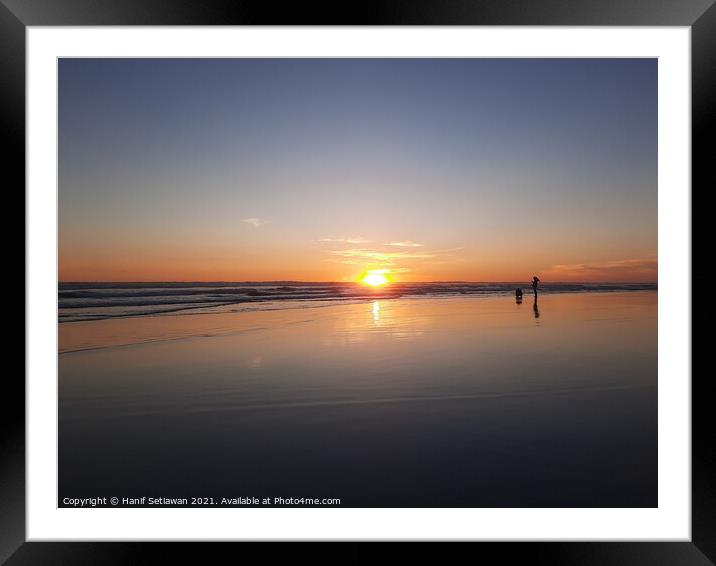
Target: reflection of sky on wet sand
{"points": [[475, 382], [395, 320]]}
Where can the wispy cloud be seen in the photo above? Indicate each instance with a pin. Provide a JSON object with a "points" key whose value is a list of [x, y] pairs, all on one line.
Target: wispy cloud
{"points": [[255, 222], [390, 270], [370, 256], [405, 244], [343, 240], [620, 268], [365, 255], [399, 256]]}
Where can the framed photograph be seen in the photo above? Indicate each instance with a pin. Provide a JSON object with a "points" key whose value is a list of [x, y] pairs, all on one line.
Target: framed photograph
{"points": [[419, 275]]}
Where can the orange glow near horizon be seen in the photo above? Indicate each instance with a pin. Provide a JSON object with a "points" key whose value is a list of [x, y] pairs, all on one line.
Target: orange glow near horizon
{"points": [[297, 264], [266, 256]]}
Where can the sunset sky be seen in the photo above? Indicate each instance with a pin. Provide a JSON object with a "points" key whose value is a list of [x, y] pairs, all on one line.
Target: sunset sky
{"points": [[321, 169]]}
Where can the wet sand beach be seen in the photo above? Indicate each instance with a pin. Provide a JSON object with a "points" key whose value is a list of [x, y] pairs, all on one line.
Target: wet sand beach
{"points": [[408, 402]]}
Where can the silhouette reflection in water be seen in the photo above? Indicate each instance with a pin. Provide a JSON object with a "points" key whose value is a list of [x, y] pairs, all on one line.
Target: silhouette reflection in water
{"points": [[535, 308]]}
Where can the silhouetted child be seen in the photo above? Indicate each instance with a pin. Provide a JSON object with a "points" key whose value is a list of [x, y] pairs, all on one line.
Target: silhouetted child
{"points": [[518, 293]]}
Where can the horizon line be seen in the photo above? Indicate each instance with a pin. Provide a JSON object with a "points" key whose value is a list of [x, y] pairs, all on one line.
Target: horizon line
{"points": [[255, 281]]}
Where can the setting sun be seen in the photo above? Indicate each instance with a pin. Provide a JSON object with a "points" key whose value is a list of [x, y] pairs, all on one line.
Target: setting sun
{"points": [[374, 279]]}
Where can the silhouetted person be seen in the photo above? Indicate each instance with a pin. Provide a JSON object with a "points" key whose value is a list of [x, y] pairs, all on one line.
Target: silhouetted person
{"points": [[518, 296], [535, 308], [535, 282]]}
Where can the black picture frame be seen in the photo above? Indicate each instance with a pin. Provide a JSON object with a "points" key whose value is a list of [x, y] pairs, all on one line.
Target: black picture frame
{"points": [[16, 15]]}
